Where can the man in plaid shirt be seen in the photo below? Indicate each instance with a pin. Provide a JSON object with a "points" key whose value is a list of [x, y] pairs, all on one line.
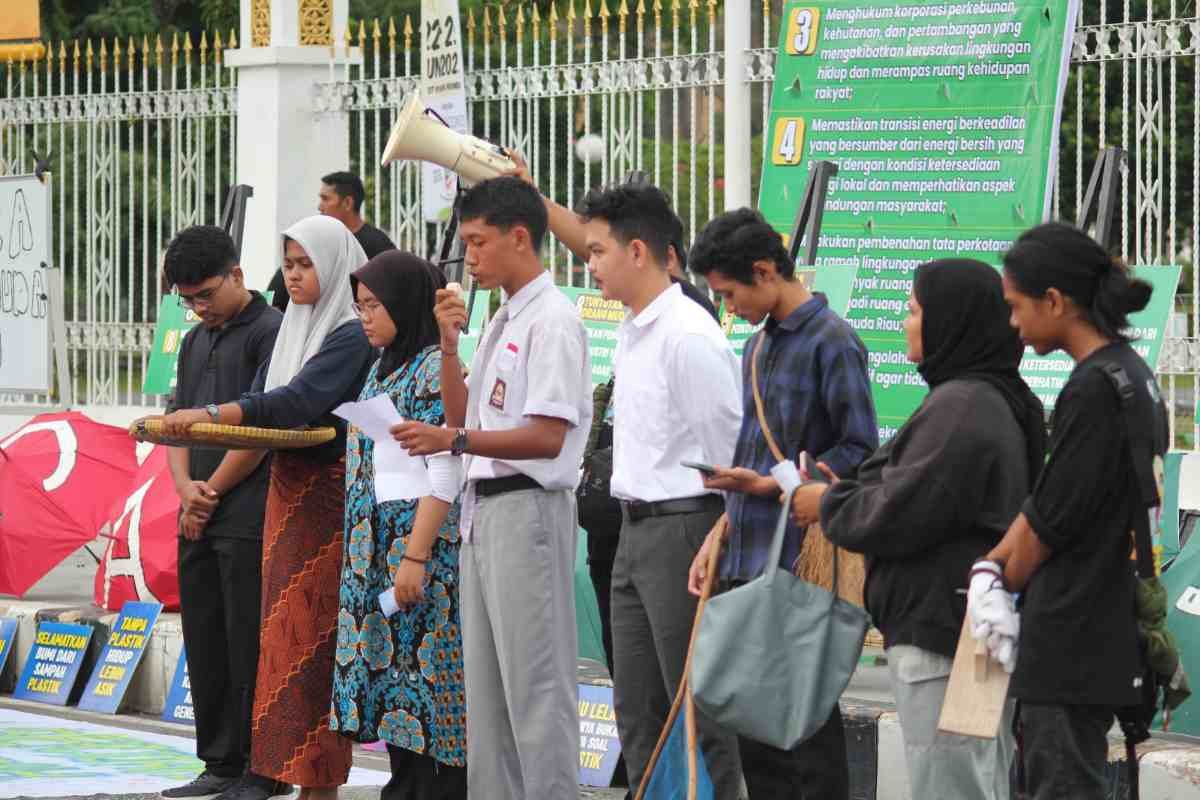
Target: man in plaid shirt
{"points": [[816, 392]]}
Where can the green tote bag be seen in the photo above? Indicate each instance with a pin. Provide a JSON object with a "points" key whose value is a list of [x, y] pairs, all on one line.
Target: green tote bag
{"points": [[773, 656]]}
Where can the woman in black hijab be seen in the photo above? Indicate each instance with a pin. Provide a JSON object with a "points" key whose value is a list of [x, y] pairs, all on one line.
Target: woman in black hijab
{"points": [[934, 497], [398, 671]]}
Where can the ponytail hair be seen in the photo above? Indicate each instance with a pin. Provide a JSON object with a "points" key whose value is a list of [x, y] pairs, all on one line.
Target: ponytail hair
{"points": [[1060, 256]]}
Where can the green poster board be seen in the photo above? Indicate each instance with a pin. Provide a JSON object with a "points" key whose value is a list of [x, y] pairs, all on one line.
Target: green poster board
{"points": [[943, 121], [174, 321], [1046, 375]]}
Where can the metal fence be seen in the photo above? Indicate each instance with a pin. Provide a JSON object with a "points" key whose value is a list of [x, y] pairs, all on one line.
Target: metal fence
{"points": [[140, 140], [145, 145]]}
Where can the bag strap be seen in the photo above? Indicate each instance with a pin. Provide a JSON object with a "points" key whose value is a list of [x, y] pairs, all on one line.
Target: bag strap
{"points": [[758, 401], [1141, 452]]}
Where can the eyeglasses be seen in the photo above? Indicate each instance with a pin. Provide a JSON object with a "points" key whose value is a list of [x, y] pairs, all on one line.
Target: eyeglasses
{"points": [[203, 298], [367, 311]]}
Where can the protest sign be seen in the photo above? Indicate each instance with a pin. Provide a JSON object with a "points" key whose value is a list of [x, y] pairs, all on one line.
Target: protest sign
{"points": [[178, 707], [120, 657], [599, 746], [8, 633], [943, 120], [54, 662], [443, 89]]}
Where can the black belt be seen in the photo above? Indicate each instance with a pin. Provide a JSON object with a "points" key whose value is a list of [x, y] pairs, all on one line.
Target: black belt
{"points": [[638, 510], [489, 487]]}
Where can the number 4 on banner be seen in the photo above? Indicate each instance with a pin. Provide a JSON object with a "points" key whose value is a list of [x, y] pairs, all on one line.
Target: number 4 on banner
{"points": [[802, 31], [789, 141]]}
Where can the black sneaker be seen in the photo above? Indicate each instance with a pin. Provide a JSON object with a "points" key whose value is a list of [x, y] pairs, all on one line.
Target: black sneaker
{"points": [[255, 787], [206, 785]]}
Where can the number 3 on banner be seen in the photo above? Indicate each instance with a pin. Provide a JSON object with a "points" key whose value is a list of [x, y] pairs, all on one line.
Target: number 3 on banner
{"points": [[788, 144], [802, 31]]}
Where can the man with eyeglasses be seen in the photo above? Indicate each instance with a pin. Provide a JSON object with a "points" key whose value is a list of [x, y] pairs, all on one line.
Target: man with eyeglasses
{"points": [[222, 497]]}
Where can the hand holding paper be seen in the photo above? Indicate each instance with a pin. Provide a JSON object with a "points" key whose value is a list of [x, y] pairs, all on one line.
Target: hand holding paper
{"points": [[398, 475]]}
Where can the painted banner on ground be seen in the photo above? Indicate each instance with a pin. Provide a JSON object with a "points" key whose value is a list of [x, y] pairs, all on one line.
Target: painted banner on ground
{"points": [[599, 746], [178, 707], [120, 657], [54, 662], [1046, 375], [943, 121]]}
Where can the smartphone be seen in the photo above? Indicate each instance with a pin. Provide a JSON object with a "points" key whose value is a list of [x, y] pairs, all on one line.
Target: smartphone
{"points": [[707, 469]]}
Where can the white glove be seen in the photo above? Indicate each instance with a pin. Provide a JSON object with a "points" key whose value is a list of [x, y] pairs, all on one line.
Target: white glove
{"points": [[993, 614]]}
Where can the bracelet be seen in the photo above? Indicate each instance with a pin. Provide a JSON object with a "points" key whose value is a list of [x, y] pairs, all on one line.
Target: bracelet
{"points": [[407, 557]]}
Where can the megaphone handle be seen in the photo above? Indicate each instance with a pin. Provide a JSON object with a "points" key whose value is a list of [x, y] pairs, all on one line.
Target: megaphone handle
{"points": [[466, 328]]}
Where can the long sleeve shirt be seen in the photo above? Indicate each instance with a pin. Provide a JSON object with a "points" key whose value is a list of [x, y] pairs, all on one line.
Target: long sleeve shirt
{"points": [[816, 395], [333, 376]]}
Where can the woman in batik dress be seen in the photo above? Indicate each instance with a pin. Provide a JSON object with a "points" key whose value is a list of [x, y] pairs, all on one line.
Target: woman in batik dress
{"points": [[399, 678]]}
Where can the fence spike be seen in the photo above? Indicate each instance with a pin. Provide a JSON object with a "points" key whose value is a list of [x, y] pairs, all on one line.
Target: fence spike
{"points": [[487, 25], [203, 47], [349, 36], [501, 20], [131, 51], [471, 20], [116, 54], [391, 34], [103, 55], [376, 33], [362, 35], [174, 49], [712, 12], [62, 58], [232, 39], [604, 15], [408, 32], [520, 22], [571, 11], [217, 48], [537, 22], [623, 15]]}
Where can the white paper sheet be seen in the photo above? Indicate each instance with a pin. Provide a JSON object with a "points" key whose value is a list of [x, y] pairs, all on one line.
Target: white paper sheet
{"points": [[398, 475]]}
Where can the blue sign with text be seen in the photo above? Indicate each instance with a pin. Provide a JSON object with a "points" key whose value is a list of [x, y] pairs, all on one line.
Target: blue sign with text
{"points": [[54, 662], [8, 633], [599, 746], [120, 657], [179, 699]]}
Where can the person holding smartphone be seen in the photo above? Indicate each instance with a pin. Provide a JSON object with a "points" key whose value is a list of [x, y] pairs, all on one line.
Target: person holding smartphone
{"points": [[812, 375], [675, 399]]}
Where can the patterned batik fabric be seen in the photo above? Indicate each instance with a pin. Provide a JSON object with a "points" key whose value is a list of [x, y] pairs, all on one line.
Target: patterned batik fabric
{"points": [[398, 679], [291, 740]]}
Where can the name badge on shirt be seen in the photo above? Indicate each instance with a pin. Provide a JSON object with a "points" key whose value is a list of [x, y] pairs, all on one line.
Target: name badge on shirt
{"points": [[506, 360], [498, 392]]}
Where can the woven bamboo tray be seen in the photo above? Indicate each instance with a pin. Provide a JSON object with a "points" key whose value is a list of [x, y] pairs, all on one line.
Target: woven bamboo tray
{"points": [[231, 437]]}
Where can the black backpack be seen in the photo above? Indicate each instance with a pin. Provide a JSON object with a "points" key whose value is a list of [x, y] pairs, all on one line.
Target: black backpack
{"points": [[599, 512]]}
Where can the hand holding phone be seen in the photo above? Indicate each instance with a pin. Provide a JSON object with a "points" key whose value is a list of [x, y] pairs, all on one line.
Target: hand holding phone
{"points": [[707, 470]]}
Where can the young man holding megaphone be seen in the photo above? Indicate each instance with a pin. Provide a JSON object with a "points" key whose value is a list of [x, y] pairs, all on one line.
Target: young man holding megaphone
{"points": [[522, 420]]}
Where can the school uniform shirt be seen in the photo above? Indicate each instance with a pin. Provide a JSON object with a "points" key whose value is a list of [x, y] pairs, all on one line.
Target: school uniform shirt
{"points": [[677, 398], [538, 367], [1078, 642]]}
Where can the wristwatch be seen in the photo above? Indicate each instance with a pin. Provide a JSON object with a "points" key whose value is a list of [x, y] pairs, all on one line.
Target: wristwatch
{"points": [[214, 412], [458, 445]]}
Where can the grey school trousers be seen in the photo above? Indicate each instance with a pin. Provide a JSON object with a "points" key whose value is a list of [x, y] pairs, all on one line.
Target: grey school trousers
{"points": [[517, 596], [652, 614]]}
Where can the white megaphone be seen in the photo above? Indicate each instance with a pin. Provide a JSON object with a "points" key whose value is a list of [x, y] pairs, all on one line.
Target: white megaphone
{"points": [[419, 136]]}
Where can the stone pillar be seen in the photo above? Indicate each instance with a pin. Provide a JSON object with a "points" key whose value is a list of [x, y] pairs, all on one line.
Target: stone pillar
{"points": [[284, 146]]}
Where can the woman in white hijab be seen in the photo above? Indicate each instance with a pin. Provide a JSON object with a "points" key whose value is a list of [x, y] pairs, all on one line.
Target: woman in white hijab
{"points": [[320, 360]]}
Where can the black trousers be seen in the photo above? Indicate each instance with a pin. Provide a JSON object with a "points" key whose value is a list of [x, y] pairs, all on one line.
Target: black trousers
{"points": [[1065, 750], [220, 591], [816, 769], [416, 776]]}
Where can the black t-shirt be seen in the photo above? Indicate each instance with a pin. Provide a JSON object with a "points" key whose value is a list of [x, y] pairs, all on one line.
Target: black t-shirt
{"points": [[219, 366], [1078, 642], [373, 240]]}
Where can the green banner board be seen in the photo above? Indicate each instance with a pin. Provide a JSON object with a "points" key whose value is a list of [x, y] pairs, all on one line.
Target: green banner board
{"points": [[943, 121], [1046, 375]]}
